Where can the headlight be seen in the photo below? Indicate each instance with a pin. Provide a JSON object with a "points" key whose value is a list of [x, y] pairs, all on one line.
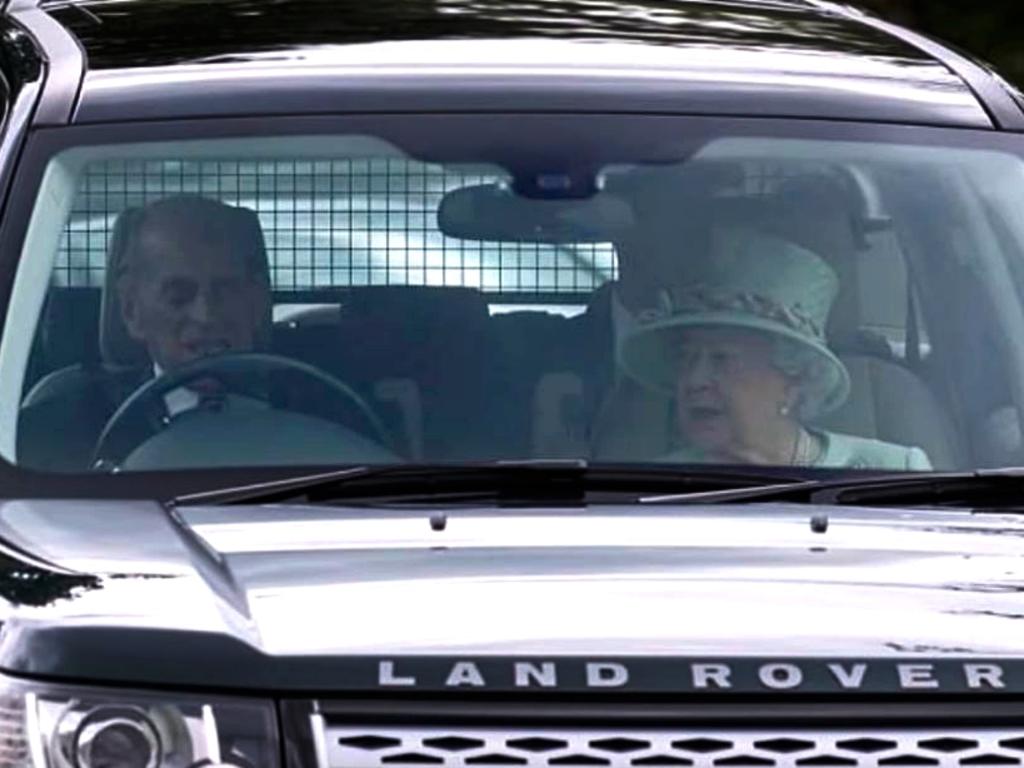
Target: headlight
{"points": [[44, 726]]}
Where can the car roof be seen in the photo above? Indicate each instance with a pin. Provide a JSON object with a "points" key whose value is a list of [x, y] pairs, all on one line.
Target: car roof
{"points": [[792, 58], [119, 33]]}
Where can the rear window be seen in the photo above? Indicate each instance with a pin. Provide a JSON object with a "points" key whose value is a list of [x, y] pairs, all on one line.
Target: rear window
{"points": [[332, 223]]}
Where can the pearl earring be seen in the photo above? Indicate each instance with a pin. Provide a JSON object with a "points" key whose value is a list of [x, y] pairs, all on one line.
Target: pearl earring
{"points": [[784, 409]]}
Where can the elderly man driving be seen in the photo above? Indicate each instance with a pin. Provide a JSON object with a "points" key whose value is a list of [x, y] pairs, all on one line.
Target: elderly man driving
{"points": [[192, 281], [187, 278]]}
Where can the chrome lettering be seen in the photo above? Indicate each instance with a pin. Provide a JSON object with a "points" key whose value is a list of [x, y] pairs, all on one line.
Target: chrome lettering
{"points": [[465, 673], [606, 675], [706, 674], [979, 675], [774, 674], [543, 675], [917, 676], [386, 675], [780, 676], [849, 678]]}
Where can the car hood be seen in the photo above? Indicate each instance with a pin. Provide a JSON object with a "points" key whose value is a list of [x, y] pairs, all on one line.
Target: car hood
{"points": [[258, 595]]}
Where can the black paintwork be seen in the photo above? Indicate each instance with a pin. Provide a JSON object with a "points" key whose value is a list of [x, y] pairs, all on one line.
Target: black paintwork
{"points": [[30, 586], [19, 60], [157, 604], [122, 35], [168, 97], [21, 65], [107, 649], [147, 58], [133, 657], [1001, 100], [134, 33]]}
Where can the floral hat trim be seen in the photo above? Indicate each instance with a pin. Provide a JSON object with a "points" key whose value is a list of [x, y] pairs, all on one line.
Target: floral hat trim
{"points": [[701, 298]]}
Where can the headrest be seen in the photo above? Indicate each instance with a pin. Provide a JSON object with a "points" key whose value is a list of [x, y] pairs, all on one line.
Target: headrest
{"points": [[68, 328], [823, 213], [407, 330], [420, 310], [679, 209], [185, 216], [818, 212]]}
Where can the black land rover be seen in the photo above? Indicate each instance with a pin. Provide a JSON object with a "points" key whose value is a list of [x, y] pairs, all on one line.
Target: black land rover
{"points": [[485, 383]]}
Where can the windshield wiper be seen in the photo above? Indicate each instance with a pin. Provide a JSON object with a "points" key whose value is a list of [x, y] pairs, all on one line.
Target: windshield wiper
{"points": [[514, 483], [997, 488]]}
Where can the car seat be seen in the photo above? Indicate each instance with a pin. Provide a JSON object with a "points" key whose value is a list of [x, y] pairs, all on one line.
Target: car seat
{"points": [[425, 356], [890, 399]]}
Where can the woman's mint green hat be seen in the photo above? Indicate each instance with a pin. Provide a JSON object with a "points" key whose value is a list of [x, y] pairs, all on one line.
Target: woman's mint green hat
{"points": [[754, 281]]}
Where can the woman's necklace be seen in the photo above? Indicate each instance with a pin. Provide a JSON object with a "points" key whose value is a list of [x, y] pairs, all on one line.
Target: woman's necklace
{"points": [[805, 449]]}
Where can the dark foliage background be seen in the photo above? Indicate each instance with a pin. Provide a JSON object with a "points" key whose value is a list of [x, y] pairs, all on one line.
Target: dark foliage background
{"points": [[992, 30]]}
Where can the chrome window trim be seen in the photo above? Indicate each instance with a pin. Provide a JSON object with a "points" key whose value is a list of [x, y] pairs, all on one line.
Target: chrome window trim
{"points": [[370, 746], [318, 726]]}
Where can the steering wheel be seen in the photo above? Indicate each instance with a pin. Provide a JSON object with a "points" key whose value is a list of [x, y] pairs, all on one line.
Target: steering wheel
{"points": [[142, 414]]}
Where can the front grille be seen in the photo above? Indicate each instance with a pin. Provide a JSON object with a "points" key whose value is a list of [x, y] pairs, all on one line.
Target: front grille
{"points": [[13, 745], [351, 746]]}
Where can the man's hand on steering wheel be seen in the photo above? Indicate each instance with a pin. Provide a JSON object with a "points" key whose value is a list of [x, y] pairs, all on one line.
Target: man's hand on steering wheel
{"points": [[244, 374]]}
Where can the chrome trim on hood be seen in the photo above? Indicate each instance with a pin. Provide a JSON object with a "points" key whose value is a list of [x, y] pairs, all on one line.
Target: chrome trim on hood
{"points": [[384, 746]]}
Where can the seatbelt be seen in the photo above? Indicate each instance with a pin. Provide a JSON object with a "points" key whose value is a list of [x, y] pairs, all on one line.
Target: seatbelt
{"points": [[913, 338]]}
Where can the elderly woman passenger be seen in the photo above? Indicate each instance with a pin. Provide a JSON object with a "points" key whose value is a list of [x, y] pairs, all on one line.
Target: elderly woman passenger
{"points": [[740, 345]]}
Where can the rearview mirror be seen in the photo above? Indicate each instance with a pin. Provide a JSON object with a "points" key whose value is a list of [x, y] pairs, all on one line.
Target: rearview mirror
{"points": [[495, 212]]}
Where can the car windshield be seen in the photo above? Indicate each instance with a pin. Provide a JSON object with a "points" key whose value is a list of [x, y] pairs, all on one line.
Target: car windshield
{"points": [[625, 290]]}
